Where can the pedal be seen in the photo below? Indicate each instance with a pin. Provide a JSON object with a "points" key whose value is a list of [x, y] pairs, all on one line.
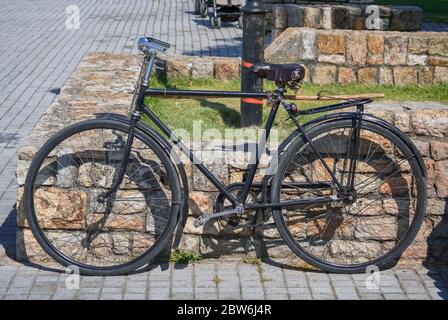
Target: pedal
{"points": [[199, 221]]}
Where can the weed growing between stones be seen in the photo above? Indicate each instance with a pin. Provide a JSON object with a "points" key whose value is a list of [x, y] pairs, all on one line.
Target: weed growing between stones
{"points": [[184, 256]]}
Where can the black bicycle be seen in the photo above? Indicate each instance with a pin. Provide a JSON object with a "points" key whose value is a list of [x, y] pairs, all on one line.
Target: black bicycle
{"points": [[107, 194]]}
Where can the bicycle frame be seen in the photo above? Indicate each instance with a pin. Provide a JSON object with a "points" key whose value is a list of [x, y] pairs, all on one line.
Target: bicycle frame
{"points": [[276, 99]]}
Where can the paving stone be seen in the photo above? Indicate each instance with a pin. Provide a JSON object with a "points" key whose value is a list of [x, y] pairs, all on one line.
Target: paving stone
{"points": [[206, 296], [15, 296], [229, 294], [64, 294], [136, 289], [418, 296], [252, 293], [371, 296], [183, 295], [394, 296], [39, 296], [297, 294], [323, 296], [159, 284], [346, 293], [134, 296], [111, 296], [396, 289], [114, 281], [413, 287], [276, 293], [112, 290], [88, 296]]}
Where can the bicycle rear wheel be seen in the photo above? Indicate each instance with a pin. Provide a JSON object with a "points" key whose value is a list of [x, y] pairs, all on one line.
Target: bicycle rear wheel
{"points": [[372, 229], [74, 225]]}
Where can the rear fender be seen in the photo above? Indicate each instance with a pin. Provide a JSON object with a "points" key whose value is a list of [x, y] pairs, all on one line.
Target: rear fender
{"points": [[340, 116], [353, 115]]}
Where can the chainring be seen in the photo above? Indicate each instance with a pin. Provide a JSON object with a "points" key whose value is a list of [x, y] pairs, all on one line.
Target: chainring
{"points": [[236, 219]]}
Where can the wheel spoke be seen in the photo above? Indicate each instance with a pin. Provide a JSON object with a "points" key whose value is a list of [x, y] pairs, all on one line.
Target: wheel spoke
{"points": [[109, 233], [366, 229]]}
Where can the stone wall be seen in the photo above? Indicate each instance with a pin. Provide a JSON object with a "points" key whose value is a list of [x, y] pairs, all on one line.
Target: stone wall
{"points": [[102, 82], [343, 14], [369, 57], [200, 67], [349, 16]]}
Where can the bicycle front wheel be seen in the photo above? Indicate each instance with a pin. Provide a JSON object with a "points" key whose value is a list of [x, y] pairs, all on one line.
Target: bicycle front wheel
{"points": [[71, 220], [384, 214]]}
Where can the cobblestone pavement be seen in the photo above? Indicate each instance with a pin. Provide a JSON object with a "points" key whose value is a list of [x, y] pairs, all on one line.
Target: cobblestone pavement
{"points": [[223, 281]]}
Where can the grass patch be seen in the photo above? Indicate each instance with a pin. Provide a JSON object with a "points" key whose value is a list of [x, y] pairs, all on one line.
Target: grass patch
{"points": [[216, 280], [252, 261], [433, 10], [221, 114], [184, 256]]}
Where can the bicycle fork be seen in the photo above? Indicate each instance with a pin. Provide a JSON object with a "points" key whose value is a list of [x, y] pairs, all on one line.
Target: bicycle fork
{"points": [[135, 117], [354, 152]]}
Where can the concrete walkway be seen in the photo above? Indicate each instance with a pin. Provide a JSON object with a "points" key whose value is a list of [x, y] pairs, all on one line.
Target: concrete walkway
{"points": [[226, 280]]}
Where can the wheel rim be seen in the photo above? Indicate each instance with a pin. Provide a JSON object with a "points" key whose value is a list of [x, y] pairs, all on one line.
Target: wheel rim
{"points": [[98, 235], [363, 231]]}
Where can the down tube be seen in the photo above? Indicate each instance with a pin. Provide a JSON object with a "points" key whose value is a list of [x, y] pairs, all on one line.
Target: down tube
{"points": [[190, 155]]}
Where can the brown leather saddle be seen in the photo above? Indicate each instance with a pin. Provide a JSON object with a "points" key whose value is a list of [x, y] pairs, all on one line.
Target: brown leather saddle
{"points": [[286, 73]]}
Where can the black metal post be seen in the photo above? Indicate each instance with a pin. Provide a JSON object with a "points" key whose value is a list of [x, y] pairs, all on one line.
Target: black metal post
{"points": [[254, 19]]}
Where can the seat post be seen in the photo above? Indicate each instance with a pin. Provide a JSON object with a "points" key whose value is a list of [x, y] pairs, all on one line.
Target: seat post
{"points": [[150, 58]]}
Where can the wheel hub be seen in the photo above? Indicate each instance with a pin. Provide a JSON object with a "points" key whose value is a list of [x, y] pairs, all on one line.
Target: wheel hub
{"points": [[350, 197]]}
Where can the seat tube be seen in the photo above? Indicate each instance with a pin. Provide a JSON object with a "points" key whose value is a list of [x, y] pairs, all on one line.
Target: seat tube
{"points": [[354, 152], [255, 157]]}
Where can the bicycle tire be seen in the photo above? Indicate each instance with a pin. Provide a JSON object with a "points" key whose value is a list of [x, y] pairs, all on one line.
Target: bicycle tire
{"points": [[170, 212], [383, 261]]}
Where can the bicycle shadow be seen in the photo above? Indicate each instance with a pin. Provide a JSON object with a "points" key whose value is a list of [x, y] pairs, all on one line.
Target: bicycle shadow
{"points": [[436, 261], [205, 22], [268, 248], [12, 240], [230, 117], [8, 234]]}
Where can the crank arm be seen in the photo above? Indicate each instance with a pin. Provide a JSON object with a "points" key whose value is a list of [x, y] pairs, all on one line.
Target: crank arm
{"points": [[201, 220]]}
